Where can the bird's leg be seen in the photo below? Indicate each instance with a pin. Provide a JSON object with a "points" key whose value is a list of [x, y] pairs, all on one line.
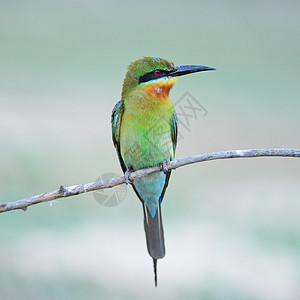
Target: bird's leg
{"points": [[128, 178], [164, 168]]}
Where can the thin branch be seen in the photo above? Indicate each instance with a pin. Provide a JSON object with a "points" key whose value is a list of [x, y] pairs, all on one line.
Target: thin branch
{"points": [[171, 165]]}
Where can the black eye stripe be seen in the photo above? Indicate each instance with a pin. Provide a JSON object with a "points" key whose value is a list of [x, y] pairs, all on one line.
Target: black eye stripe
{"points": [[151, 75]]}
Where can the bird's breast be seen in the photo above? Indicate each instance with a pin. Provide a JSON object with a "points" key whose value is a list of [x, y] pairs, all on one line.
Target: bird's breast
{"points": [[145, 137]]}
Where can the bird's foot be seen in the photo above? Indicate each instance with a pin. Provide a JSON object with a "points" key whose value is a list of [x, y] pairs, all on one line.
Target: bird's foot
{"points": [[128, 178], [164, 168]]}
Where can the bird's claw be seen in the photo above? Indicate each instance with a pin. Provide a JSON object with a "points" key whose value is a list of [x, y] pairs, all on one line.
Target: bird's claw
{"points": [[128, 178], [164, 168]]}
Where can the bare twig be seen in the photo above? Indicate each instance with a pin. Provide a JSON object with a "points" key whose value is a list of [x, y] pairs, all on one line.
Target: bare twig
{"points": [[171, 165]]}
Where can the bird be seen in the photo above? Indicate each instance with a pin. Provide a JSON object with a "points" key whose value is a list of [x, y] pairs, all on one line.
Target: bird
{"points": [[144, 133]]}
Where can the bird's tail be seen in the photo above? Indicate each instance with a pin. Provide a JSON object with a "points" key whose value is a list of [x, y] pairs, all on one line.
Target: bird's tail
{"points": [[154, 236]]}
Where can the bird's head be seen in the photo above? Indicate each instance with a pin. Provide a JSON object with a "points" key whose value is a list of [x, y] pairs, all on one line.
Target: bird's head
{"points": [[156, 76]]}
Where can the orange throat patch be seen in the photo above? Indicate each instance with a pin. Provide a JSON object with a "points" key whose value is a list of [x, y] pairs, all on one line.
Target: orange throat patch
{"points": [[160, 89]]}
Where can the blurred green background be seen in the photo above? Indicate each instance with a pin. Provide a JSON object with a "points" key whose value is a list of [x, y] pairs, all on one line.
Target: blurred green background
{"points": [[232, 227]]}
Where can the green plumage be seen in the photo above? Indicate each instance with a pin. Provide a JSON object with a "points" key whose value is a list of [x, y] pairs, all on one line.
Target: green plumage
{"points": [[144, 128]]}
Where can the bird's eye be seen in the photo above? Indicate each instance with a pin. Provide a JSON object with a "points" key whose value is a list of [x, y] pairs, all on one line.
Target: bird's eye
{"points": [[157, 72], [153, 75]]}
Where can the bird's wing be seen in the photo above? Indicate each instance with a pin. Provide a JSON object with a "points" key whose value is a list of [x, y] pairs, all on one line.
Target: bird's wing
{"points": [[116, 119], [174, 132]]}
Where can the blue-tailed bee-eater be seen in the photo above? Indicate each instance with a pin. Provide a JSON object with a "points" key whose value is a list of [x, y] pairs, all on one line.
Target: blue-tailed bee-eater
{"points": [[144, 131]]}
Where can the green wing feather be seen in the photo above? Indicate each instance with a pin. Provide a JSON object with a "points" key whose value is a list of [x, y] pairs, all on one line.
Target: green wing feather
{"points": [[174, 131], [116, 119]]}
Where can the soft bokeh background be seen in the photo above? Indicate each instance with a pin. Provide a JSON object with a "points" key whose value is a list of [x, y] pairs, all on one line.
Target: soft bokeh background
{"points": [[232, 227]]}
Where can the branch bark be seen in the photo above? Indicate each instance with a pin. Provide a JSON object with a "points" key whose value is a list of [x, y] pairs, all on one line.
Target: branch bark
{"points": [[63, 192]]}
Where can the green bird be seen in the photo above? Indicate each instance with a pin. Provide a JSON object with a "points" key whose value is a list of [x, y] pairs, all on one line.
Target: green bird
{"points": [[144, 132]]}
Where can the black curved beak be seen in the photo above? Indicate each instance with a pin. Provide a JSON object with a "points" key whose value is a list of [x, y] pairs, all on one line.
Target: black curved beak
{"points": [[184, 70]]}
